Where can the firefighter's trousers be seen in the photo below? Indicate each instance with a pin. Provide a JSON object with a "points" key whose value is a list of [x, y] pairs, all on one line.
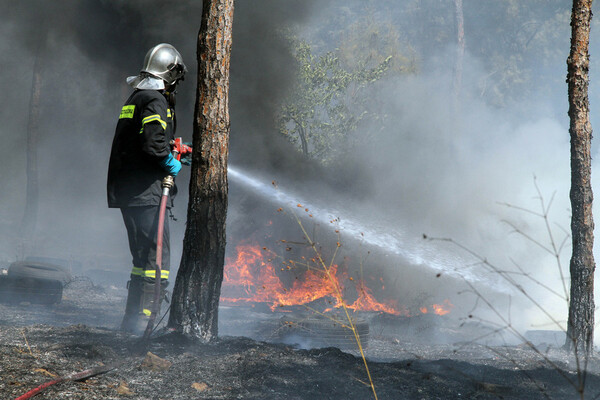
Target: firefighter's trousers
{"points": [[142, 226]]}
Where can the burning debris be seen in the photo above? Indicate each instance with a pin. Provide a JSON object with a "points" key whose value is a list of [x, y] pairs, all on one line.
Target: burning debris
{"points": [[322, 305], [251, 277]]}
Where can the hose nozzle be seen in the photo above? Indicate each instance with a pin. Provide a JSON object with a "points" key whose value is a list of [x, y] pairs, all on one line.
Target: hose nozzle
{"points": [[168, 182]]}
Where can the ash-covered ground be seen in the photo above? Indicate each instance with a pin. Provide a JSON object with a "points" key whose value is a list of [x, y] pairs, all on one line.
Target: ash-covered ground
{"points": [[407, 358]]}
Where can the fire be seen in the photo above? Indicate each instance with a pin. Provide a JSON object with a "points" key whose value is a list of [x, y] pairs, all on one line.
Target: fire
{"points": [[261, 284], [251, 277], [442, 309], [366, 302], [439, 309]]}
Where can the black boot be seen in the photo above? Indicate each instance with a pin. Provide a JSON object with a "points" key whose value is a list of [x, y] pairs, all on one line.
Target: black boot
{"points": [[148, 298], [132, 319]]}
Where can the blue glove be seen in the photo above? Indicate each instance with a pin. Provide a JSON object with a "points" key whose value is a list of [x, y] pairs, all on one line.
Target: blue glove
{"points": [[171, 165]]}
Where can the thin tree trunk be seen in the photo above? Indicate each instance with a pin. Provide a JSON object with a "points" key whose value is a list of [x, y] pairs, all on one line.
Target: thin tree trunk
{"points": [[460, 51], [303, 139], [580, 327], [194, 309], [29, 221]]}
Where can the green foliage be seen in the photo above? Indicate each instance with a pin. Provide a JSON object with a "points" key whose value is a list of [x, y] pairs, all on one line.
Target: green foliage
{"points": [[324, 107], [333, 93]]}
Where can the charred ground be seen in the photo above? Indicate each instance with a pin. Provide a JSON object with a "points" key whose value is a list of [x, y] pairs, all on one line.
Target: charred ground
{"points": [[39, 343]]}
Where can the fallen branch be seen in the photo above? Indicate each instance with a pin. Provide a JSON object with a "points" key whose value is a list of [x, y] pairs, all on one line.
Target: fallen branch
{"points": [[75, 376]]}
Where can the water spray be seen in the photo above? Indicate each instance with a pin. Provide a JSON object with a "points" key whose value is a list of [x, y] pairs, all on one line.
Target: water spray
{"points": [[412, 249]]}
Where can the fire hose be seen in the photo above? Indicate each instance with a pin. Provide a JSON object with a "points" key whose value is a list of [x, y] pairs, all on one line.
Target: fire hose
{"points": [[76, 376], [179, 149], [167, 184]]}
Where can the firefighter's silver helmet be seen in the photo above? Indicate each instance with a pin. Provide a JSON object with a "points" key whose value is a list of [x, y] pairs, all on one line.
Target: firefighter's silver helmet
{"points": [[164, 61], [163, 66]]}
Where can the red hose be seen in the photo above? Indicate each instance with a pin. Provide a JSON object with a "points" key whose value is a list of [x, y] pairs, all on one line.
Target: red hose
{"points": [[38, 389], [159, 245], [70, 377]]}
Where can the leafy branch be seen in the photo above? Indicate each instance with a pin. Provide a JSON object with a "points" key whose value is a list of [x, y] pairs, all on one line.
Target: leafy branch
{"points": [[327, 103]]}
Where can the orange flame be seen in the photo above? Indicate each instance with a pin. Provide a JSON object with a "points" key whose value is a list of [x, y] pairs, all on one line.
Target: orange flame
{"points": [[444, 309], [252, 278], [366, 302], [261, 284]]}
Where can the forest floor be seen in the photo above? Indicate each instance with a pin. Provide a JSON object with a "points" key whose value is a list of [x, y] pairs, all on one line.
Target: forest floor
{"points": [[40, 343]]}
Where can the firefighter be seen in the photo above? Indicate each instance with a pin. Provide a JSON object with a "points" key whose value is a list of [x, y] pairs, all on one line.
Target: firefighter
{"points": [[140, 158]]}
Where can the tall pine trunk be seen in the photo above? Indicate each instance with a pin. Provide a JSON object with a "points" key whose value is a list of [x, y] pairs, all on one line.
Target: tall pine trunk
{"points": [[460, 49], [30, 214], [580, 327], [194, 308]]}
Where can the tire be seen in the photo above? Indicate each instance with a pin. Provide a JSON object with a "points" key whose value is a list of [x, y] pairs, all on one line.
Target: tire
{"points": [[23, 269], [36, 283], [36, 291]]}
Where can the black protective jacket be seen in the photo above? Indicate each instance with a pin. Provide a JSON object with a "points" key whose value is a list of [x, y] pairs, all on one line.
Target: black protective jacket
{"points": [[142, 139]]}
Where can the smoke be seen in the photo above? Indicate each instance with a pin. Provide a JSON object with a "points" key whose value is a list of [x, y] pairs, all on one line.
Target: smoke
{"points": [[449, 171], [262, 72], [445, 171], [449, 174]]}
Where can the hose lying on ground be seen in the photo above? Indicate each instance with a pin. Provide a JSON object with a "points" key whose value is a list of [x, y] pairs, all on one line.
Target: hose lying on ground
{"points": [[75, 376]]}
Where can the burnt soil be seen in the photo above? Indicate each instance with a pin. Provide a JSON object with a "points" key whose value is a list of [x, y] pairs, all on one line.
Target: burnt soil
{"points": [[39, 343]]}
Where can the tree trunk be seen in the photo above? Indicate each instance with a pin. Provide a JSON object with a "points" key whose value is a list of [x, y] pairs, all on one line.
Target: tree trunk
{"points": [[460, 51], [194, 308], [303, 139], [30, 214], [580, 327]]}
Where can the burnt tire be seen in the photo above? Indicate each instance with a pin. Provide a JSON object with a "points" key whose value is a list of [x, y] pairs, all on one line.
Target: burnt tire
{"points": [[43, 271], [319, 331], [36, 291], [36, 283]]}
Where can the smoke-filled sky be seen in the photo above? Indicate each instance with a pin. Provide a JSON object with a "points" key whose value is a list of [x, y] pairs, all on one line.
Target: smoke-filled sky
{"points": [[434, 168]]}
